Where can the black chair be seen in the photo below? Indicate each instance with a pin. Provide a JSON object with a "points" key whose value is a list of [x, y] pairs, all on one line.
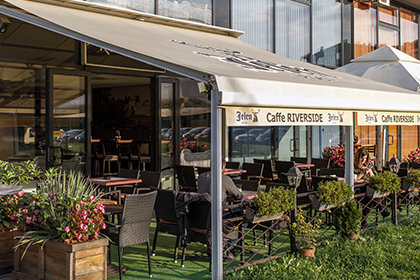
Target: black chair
{"points": [[331, 171], [415, 165], [134, 226], [203, 169], [273, 185], [124, 153], [99, 156], [166, 220], [186, 178], [232, 165], [149, 179], [267, 174], [283, 167], [246, 185], [127, 173], [319, 163], [316, 180], [197, 218], [253, 171], [299, 159]]}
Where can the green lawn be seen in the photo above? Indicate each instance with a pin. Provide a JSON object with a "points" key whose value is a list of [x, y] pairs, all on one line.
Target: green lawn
{"points": [[389, 252]]}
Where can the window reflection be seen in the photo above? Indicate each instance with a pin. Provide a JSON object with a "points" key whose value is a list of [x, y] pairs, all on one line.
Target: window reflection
{"points": [[147, 6], [388, 15], [410, 139], [388, 37], [246, 143], [194, 10], [324, 136], [364, 28], [409, 33]]}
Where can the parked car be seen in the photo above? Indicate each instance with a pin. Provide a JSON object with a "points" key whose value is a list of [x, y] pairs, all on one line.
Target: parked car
{"points": [[249, 136], [265, 137], [69, 136], [204, 135], [189, 136], [163, 132]]}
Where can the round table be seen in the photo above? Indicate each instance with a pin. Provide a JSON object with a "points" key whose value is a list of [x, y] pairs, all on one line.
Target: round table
{"points": [[7, 189]]}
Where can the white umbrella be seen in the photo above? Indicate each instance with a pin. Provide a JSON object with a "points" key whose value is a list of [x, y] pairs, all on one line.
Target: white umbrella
{"points": [[387, 65]]}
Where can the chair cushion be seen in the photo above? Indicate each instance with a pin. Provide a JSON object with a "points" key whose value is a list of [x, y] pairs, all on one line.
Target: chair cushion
{"points": [[105, 201], [166, 222]]}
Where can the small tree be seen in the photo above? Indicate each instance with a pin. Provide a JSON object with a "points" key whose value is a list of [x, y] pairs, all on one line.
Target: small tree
{"points": [[347, 218]]}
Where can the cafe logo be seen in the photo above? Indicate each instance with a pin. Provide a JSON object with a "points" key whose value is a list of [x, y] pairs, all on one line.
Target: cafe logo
{"points": [[243, 117], [371, 118], [334, 118]]}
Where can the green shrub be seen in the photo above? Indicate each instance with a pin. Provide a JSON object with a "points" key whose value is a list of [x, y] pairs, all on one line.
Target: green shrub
{"points": [[413, 177], [333, 192], [385, 182], [11, 174], [305, 232], [347, 218], [275, 201]]}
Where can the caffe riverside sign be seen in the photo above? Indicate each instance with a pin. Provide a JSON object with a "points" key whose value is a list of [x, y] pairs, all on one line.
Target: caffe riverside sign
{"points": [[254, 116], [387, 118]]}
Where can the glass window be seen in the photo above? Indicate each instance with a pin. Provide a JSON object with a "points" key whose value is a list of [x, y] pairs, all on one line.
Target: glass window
{"points": [[193, 10], [364, 28], [324, 136], [22, 114], [292, 30], [366, 136], [326, 32], [388, 37], [255, 17], [221, 13], [409, 33], [284, 142], [246, 143], [409, 139], [388, 15], [347, 32], [146, 6]]}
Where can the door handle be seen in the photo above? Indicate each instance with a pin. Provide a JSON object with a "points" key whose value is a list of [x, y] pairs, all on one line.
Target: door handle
{"points": [[390, 143]]}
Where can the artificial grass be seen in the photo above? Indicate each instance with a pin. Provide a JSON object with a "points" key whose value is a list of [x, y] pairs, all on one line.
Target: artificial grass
{"points": [[388, 252]]}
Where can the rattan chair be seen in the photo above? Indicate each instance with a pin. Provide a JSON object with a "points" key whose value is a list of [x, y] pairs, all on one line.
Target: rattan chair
{"points": [[299, 159], [186, 178], [166, 220], [273, 185], [246, 185], [202, 169], [135, 225], [127, 173], [339, 172], [253, 171], [149, 179], [267, 174], [283, 167], [232, 165]]}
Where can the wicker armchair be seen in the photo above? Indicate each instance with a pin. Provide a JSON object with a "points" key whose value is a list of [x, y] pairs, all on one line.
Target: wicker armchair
{"points": [[135, 224]]}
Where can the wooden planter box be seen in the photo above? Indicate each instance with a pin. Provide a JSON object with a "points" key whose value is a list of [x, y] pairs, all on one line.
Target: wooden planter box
{"points": [[56, 260], [253, 218], [407, 186], [375, 193], [321, 206], [6, 250]]}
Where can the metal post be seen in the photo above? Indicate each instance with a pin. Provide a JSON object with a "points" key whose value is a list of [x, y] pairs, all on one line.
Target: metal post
{"points": [[216, 188], [394, 208], [349, 151]]}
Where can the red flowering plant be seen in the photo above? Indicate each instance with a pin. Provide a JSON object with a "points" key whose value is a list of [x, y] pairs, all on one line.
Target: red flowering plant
{"points": [[336, 155], [64, 209], [191, 145], [414, 156], [9, 207]]}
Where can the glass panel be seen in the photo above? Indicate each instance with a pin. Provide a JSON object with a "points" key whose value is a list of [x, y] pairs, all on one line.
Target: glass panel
{"points": [[326, 32], [302, 140], [347, 32], [22, 114], [284, 142], [393, 142], [364, 28], [221, 13], [366, 136], [324, 136], [69, 125], [255, 17], [388, 37], [409, 139], [166, 122], [147, 6], [409, 33], [246, 143], [293, 30], [193, 10], [388, 15]]}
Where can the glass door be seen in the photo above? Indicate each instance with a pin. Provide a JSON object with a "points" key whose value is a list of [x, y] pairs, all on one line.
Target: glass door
{"points": [[66, 128]]}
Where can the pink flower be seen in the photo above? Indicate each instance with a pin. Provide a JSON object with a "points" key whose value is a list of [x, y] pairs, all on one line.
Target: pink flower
{"points": [[67, 229], [92, 199], [20, 194], [79, 236]]}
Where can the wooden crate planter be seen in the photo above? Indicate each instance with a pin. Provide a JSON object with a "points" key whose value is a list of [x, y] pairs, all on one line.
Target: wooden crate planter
{"points": [[58, 260], [321, 206], [252, 217], [375, 193], [6, 250]]}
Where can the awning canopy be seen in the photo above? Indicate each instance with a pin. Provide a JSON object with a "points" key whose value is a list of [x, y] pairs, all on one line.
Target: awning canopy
{"points": [[245, 75]]}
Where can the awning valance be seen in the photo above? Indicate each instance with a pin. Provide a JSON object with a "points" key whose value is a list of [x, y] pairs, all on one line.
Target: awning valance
{"points": [[387, 118]]}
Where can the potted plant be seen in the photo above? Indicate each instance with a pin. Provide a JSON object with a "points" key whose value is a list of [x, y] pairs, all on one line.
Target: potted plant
{"points": [[414, 156], [330, 194], [412, 181], [271, 205], [336, 154], [61, 225], [305, 234], [347, 220], [382, 184]]}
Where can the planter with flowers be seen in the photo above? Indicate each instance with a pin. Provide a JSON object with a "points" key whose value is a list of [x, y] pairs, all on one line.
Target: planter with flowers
{"points": [[414, 156], [305, 233], [382, 184], [331, 194], [60, 236], [336, 154], [412, 181]]}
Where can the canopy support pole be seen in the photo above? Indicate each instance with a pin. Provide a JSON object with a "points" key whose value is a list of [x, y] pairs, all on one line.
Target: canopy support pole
{"points": [[349, 152], [216, 189]]}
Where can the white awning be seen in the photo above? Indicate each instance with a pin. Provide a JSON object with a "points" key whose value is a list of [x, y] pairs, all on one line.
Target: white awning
{"points": [[245, 75]]}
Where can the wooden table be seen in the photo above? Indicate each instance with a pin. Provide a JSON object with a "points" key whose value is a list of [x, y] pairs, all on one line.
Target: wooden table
{"points": [[230, 171], [114, 181], [248, 195], [304, 165]]}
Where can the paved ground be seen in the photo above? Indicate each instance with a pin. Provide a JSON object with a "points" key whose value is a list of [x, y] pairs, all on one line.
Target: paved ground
{"points": [[7, 276]]}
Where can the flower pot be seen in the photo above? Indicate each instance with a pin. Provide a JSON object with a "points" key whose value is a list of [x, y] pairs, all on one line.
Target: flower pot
{"points": [[321, 206], [307, 253], [254, 218], [352, 236], [407, 186], [375, 193], [57, 260], [6, 250]]}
